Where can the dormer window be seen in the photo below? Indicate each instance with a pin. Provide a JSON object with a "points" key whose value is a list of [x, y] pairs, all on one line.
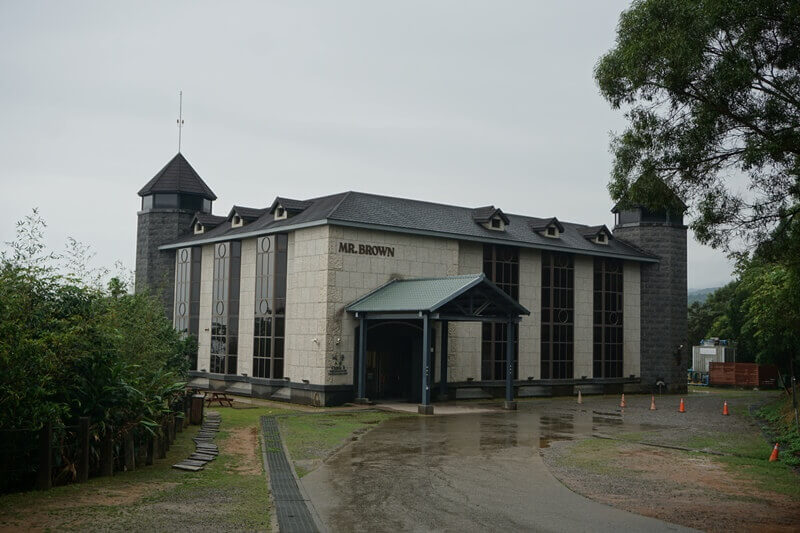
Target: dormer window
{"points": [[491, 218], [283, 208], [236, 221], [199, 228], [597, 234], [547, 227], [552, 231]]}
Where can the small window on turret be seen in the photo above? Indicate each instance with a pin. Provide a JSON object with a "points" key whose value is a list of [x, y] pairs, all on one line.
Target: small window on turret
{"points": [[280, 213]]}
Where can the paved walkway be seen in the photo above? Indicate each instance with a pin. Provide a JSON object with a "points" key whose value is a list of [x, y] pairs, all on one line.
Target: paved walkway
{"points": [[476, 472], [442, 408]]}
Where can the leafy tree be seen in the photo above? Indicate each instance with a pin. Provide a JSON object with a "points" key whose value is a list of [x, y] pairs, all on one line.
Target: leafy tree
{"points": [[772, 311], [69, 348], [712, 91]]}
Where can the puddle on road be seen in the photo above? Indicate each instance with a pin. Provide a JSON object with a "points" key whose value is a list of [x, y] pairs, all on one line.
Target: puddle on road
{"points": [[483, 434]]}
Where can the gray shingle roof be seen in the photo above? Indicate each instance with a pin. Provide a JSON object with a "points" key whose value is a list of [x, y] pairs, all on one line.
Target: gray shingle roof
{"points": [[209, 221], [248, 214], [485, 214], [178, 176], [290, 205], [541, 224], [419, 217], [425, 294], [592, 231]]}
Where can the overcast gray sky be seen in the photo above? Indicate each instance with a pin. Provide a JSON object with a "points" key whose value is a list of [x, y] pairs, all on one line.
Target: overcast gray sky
{"points": [[468, 103]]}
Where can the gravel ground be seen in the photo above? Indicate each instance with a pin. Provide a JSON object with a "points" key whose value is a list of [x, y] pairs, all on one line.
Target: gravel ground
{"points": [[635, 467]]}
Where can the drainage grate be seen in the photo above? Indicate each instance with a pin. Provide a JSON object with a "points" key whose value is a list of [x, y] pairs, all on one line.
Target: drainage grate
{"points": [[290, 506]]}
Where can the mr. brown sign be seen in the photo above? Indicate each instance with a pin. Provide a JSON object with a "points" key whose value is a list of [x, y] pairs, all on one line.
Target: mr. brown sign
{"points": [[366, 249]]}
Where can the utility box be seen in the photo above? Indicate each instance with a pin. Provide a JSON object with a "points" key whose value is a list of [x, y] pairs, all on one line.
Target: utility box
{"points": [[712, 350]]}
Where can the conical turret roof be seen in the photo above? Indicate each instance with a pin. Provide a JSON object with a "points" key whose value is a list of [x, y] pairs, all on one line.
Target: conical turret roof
{"points": [[178, 176]]}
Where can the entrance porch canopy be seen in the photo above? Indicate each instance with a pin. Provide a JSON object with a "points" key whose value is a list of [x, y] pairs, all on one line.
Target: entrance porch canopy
{"points": [[470, 298]]}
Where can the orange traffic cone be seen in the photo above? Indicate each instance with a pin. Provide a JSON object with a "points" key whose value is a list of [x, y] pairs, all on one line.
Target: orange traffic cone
{"points": [[653, 402], [622, 403], [725, 408], [580, 399], [682, 408], [774, 456]]}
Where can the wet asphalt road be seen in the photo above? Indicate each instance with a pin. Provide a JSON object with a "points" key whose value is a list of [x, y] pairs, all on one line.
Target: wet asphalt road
{"points": [[475, 472]]}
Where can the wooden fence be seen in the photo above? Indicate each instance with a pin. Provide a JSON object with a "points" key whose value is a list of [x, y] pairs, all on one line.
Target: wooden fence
{"points": [[60, 454], [742, 375]]}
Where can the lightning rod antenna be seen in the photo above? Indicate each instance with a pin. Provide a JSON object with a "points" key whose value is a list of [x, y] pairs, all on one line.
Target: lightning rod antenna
{"points": [[180, 118]]}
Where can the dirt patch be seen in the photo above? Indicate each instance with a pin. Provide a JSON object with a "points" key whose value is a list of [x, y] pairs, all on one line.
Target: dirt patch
{"points": [[242, 445], [122, 495], [687, 489], [66, 511]]}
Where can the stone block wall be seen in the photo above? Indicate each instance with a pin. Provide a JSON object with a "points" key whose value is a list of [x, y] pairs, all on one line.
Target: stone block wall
{"points": [[583, 329], [204, 324], [530, 296], [353, 275], [664, 353], [631, 319], [310, 333], [247, 304], [155, 269], [464, 344]]}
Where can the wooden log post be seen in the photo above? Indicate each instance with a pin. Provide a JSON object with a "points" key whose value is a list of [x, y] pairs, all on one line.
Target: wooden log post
{"points": [[148, 459], [158, 446], [179, 423], [165, 436], [171, 428], [43, 476], [187, 410], [107, 454], [83, 449], [129, 452]]}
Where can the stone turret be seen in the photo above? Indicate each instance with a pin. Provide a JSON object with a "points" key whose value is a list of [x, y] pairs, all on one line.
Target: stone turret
{"points": [[169, 203], [664, 325]]}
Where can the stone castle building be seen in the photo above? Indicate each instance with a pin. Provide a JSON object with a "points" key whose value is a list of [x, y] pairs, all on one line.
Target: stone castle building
{"points": [[333, 299]]}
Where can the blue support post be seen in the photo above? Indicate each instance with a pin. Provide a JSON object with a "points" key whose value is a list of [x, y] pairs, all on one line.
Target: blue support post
{"points": [[510, 403], [425, 408], [362, 360], [443, 363]]}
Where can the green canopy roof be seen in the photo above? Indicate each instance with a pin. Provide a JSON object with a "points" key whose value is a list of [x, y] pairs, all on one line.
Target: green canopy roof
{"points": [[432, 294]]}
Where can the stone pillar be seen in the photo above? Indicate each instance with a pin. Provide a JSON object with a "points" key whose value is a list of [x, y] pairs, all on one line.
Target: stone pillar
{"points": [[155, 269], [663, 303]]}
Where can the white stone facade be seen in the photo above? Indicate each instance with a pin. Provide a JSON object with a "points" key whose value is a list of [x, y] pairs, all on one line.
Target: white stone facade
{"points": [[323, 278]]}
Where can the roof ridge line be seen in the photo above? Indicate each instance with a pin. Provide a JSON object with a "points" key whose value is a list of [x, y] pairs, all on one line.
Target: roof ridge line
{"points": [[339, 203]]}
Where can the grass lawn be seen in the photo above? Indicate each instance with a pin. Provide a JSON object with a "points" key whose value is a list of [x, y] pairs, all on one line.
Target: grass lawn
{"points": [[230, 494], [312, 437]]}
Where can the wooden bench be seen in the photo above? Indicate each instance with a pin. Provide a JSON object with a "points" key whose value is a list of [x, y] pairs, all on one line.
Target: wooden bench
{"points": [[219, 397]]}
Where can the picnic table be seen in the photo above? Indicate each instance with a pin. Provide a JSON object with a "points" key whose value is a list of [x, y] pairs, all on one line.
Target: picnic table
{"points": [[219, 397]]}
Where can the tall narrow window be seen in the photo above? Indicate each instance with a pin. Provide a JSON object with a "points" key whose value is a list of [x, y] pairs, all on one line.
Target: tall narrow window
{"points": [[607, 318], [501, 265], [225, 307], [558, 283], [187, 295], [270, 307]]}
